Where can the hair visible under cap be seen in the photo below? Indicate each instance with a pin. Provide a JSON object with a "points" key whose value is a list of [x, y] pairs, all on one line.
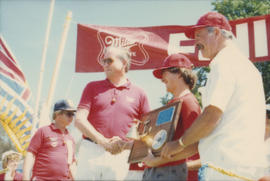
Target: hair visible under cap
{"points": [[226, 34], [55, 113], [123, 53], [189, 77]]}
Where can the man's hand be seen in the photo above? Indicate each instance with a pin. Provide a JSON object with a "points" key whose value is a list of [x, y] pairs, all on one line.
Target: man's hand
{"points": [[170, 149], [73, 169], [150, 160], [112, 145], [115, 145]]}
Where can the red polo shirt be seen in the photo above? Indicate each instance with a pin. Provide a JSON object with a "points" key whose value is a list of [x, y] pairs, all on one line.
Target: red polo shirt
{"points": [[112, 109], [190, 110], [51, 154]]}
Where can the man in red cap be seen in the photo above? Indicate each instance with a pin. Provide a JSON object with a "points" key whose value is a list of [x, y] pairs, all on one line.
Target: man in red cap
{"points": [[231, 128], [176, 74]]}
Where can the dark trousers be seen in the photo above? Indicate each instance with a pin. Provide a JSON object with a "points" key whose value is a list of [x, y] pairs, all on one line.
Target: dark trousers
{"points": [[177, 172]]}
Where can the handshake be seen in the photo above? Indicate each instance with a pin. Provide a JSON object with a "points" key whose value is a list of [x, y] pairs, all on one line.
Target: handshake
{"points": [[116, 145]]}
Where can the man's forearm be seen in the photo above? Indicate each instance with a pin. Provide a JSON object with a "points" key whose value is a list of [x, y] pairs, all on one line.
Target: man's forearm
{"points": [[89, 131], [187, 152], [203, 125], [28, 165], [86, 128]]}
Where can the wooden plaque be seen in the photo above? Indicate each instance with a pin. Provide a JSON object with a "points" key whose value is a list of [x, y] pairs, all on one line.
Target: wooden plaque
{"points": [[156, 128]]}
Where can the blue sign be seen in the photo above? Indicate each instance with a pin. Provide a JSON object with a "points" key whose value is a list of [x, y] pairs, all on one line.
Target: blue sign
{"points": [[165, 116]]}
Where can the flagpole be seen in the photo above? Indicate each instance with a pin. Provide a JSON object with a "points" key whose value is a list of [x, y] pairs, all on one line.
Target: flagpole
{"points": [[43, 60], [59, 59]]}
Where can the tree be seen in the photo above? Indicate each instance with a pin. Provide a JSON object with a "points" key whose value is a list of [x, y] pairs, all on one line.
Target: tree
{"points": [[164, 100], [202, 78], [236, 9]]}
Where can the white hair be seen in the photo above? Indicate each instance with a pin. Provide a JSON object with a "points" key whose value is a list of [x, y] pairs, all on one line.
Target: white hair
{"points": [[226, 34], [122, 52]]}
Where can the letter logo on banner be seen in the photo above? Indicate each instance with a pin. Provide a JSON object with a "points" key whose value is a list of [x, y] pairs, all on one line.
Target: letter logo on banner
{"points": [[139, 55]]}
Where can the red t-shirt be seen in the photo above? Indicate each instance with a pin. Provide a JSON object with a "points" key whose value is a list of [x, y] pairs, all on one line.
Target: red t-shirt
{"points": [[190, 110], [51, 153], [112, 109], [17, 177]]}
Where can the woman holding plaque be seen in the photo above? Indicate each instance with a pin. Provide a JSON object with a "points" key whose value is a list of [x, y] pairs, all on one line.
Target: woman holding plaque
{"points": [[176, 74]]}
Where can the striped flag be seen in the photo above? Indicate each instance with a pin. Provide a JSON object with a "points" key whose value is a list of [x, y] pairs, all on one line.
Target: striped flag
{"points": [[15, 113], [11, 74]]}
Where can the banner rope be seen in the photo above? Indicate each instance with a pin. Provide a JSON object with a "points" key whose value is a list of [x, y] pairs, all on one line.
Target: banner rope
{"points": [[220, 170]]}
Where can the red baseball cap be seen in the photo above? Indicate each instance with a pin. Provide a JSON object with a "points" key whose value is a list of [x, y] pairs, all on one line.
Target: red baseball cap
{"points": [[213, 19], [174, 60]]}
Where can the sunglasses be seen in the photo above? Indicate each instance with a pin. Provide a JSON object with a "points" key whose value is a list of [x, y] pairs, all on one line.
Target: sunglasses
{"points": [[107, 61], [69, 114]]}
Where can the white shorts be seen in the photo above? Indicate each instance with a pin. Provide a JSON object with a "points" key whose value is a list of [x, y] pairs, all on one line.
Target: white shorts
{"points": [[94, 163]]}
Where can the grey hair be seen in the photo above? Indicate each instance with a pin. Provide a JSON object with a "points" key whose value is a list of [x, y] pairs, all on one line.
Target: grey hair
{"points": [[226, 34], [121, 52]]}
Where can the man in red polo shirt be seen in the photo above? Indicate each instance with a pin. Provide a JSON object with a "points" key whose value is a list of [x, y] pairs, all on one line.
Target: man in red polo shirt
{"points": [[50, 155], [105, 113], [176, 74]]}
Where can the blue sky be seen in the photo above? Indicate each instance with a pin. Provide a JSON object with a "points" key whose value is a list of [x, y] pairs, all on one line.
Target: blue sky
{"points": [[23, 25]]}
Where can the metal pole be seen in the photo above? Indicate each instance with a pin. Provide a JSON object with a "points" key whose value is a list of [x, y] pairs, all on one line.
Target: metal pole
{"points": [[43, 60], [59, 58]]}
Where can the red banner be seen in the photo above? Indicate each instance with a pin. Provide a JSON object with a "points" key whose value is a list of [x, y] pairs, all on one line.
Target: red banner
{"points": [[150, 45]]}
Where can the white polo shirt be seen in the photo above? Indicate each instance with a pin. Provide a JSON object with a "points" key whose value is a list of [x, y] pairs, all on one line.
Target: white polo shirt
{"points": [[235, 86]]}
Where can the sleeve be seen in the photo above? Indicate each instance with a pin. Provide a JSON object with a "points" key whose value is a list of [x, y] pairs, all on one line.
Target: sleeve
{"points": [[189, 112], [36, 142], [220, 86], [85, 101]]}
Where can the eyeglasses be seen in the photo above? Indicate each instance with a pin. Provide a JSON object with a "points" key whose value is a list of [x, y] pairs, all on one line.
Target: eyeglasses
{"points": [[108, 61], [69, 114]]}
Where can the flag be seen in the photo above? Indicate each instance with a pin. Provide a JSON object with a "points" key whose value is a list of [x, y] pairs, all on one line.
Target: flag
{"points": [[11, 74], [149, 46], [15, 113]]}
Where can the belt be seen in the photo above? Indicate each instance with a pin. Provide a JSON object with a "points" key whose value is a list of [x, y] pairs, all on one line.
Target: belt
{"points": [[89, 139]]}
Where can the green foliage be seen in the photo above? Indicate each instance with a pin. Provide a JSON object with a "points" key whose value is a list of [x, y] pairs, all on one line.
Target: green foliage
{"points": [[164, 100], [264, 68], [236, 9], [201, 81]]}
